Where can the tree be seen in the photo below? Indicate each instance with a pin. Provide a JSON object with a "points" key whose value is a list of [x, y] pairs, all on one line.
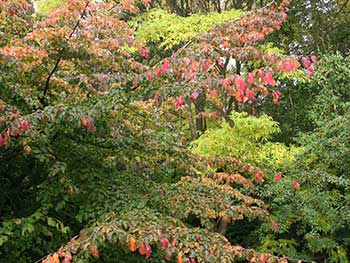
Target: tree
{"points": [[82, 156], [224, 70]]}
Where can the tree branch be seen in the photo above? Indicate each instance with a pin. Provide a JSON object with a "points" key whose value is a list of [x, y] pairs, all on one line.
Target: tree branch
{"points": [[60, 55]]}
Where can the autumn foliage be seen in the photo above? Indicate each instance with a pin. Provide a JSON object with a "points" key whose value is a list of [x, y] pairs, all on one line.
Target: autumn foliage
{"points": [[71, 100]]}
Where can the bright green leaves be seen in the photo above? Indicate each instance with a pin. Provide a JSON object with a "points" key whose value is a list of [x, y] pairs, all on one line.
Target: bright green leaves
{"points": [[169, 30]]}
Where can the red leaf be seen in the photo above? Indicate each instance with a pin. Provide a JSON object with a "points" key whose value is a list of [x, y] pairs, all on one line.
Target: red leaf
{"points": [[240, 83], [144, 52], [310, 70], [250, 94], [250, 78], [213, 94], [165, 66], [142, 249], [276, 94], [158, 72], [179, 101], [259, 177], [84, 121], [164, 242], [206, 65], [296, 185], [148, 250], [278, 177], [262, 258], [156, 98], [269, 79], [25, 125], [239, 95], [149, 75], [286, 66], [306, 61], [226, 83]]}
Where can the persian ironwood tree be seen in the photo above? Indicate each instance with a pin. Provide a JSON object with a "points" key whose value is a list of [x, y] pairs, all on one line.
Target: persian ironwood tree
{"points": [[83, 153]]}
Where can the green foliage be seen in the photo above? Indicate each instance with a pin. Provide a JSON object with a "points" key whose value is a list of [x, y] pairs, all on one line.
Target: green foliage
{"points": [[248, 140], [169, 30], [329, 88], [305, 103], [317, 214], [45, 6]]}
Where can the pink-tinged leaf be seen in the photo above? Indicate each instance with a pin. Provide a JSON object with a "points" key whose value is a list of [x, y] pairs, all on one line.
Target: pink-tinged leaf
{"points": [[67, 258], [144, 52], [165, 66], [94, 252], [269, 79], [226, 83], [148, 250], [310, 70], [240, 83], [286, 66], [142, 249], [296, 184], [179, 101], [258, 177], [306, 62], [295, 63], [84, 121], [2, 141], [250, 78], [256, 55], [240, 97], [261, 75], [146, 3], [262, 258], [278, 177], [276, 94], [206, 65], [164, 242], [195, 95], [149, 75], [250, 94], [314, 59], [156, 98], [90, 125], [168, 255], [213, 94], [158, 73]]}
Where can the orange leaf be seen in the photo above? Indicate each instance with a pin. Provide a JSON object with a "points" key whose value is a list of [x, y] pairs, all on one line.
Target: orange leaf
{"points": [[55, 258], [132, 244], [179, 258]]}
